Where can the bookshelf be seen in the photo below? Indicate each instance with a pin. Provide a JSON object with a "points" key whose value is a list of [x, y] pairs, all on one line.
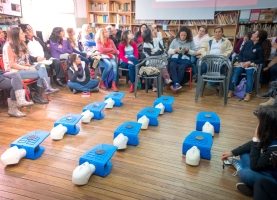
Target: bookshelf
{"points": [[122, 12]]}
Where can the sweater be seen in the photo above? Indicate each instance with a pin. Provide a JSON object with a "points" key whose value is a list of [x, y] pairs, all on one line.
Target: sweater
{"points": [[154, 46], [198, 42], [182, 57], [47, 53], [121, 48], [56, 51], [258, 161], [238, 45], [82, 76], [111, 49], [251, 52]]}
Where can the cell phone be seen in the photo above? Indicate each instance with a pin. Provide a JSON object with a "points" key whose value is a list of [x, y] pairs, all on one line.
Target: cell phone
{"points": [[226, 162], [180, 48]]}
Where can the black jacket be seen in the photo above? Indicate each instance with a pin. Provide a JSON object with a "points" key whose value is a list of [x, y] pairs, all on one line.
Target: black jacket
{"points": [[72, 74]]}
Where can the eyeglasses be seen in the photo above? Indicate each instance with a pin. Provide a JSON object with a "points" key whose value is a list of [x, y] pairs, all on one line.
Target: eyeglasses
{"points": [[29, 29]]}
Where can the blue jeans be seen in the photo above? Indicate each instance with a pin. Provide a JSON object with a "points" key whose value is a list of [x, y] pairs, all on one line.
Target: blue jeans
{"points": [[39, 73], [177, 71], [86, 60], [132, 68], [194, 60], [248, 176], [109, 64], [273, 72], [93, 83], [249, 78]]}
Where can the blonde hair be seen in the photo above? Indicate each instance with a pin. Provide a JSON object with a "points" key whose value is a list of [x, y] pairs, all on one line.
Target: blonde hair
{"points": [[100, 35], [85, 29], [71, 38]]}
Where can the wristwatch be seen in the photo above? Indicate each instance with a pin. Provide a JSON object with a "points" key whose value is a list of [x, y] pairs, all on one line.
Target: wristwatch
{"points": [[254, 139]]}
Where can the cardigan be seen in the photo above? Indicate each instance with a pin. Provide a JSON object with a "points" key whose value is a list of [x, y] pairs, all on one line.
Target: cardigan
{"points": [[56, 51], [251, 52], [121, 49], [181, 57]]}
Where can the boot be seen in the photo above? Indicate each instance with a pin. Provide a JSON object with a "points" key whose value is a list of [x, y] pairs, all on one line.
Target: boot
{"points": [[132, 88], [230, 94], [38, 96], [47, 86], [13, 110], [247, 97], [270, 102], [114, 87], [20, 98], [102, 86]]}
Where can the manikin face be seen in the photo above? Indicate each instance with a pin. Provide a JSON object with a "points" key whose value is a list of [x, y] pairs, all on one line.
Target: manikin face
{"points": [[218, 34], [29, 31], [183, 35]]}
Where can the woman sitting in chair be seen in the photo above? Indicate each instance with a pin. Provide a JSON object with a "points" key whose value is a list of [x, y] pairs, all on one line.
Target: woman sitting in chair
{"points": [[181, 49], [16, 58], [108, 51], [153, 47], [88, 39], [128, 56], [79, 76], [12, 81], [251, 55]]}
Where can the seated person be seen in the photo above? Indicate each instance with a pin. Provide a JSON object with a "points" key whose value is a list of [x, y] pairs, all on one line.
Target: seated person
{"points": [[73, 42], [181, 49], [108, 51], [241, 42], [12, 81], [128, 56], [16, 58], [250, 56], [272, 66], [79, 77], [88, 39], [115, 35], [2, 40], [156, 34], [254, 162], [40, 52], [59, 44], [153, 47], [138, 36]]}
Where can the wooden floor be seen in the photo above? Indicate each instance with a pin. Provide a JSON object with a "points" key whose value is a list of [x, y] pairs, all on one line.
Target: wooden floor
{"points": [[155, 169]]}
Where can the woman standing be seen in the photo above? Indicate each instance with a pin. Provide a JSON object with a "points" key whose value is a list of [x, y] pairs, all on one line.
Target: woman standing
{"points": [[108, 51], [128, 55]]}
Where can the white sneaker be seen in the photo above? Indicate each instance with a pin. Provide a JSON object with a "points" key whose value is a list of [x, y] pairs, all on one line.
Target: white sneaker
{"points": [[168, 80], [154, 89]]}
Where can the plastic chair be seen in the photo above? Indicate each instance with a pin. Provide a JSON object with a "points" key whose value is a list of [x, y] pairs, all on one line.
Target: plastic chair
{"points": [[214, 73], [256, 75], [154, 61]]}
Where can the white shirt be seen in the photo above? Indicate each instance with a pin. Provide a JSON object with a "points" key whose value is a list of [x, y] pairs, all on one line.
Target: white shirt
{"points": [[215, 47], [273, 52], [198, 41], [35, 48]]}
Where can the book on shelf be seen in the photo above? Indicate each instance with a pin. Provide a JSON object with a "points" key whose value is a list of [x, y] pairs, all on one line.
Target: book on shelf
{"points": [[98, 7], [85, 94], [255, 13], [266, 16], [244, 15], [133, 6], [123, 7]]}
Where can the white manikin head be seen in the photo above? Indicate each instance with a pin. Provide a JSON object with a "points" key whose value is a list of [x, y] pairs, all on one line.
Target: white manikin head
{"points": [[82, 173], [12, 155]]}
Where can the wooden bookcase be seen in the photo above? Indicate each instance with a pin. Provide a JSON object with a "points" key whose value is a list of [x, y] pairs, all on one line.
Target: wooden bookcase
{"points": [[122, 12]]}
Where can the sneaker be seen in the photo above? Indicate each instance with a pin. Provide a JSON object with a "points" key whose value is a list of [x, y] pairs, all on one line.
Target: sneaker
{"points": [[247, 97], [236, 163], [273, 84], [230, 94], [74, 91], [168, 81], [244, 189], [154, 89], [177, 86]]}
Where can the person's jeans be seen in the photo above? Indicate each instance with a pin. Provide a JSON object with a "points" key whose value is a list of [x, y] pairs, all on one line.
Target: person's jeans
{"points": [[194, 60], [93, 83], [273, 72], [11, 82], [177, 71], [132, 68], [39, 73], [249, 78], [248, 176], [109, 64]]}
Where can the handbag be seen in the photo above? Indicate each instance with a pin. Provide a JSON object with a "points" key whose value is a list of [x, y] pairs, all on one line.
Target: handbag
{"points": [[149, 71]]}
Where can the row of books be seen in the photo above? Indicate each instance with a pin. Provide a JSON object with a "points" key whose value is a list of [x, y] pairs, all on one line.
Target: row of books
{"points": [[224, 19], [120, 19], [193, 22], [258, 15], [117, 7], [138, 21], [169, 33], [98, 6], [133, 6], [168, 22], [99, 18], [271, 29]]}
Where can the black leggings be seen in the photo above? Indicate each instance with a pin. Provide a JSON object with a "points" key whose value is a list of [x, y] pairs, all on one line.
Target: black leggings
{"points": [[265, 189]]}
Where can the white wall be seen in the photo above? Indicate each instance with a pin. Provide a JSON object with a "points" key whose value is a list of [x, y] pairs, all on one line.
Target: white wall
{"points": [[44, 15]]}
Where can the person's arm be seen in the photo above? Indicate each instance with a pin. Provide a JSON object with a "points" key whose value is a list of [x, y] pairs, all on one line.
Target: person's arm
{"points": [[192, 51], [103, 49], [242, 51], [229, 49], [77, 52], [67, 45], [272, 62], [171, 49], [237, 46], [114, 52], [204, 48], [60, 49], [147, 49], [135, 47], [87, 42], [11, 58], [245, 148], [122, 53]]}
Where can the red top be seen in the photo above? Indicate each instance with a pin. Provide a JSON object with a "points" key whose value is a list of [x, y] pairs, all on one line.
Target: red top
{"points": [[121, 48], [107, 48], [140, 39]]}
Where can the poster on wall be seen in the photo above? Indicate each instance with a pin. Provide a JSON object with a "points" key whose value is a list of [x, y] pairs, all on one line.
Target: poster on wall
{"points": [[11, 7]]}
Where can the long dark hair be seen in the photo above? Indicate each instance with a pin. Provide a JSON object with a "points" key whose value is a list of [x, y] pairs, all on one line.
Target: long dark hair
{"points": [[124, 38], [139, 32], [267, 130], [55, 35], [147, 35], [187, 30], [17, 45], [71, 59]]}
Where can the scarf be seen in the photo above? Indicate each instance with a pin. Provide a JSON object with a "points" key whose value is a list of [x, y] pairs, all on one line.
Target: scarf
{"points": [[107, 44]]}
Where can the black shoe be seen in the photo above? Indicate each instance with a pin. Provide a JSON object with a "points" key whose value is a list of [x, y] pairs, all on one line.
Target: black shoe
{"points": [[74, 91], [40, 100], [244, 189], [59, 83], [273, 84], [255, 112]]}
